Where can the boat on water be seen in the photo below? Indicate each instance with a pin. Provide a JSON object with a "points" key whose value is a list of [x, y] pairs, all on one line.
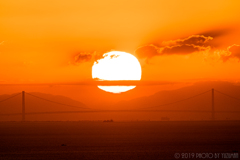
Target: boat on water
{"points": [[108, 120]]}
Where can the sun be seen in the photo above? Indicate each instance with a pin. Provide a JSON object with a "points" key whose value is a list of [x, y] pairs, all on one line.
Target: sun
{"points": [[114, 66]]}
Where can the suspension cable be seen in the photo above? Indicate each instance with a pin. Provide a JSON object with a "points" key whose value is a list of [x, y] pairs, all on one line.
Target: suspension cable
{"points": [[227, 95], [10, 97], [57, 102], [177, 101]]}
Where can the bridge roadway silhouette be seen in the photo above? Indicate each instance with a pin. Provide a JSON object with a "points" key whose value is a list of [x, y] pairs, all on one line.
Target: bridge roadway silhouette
{"points": [[145, 109]]}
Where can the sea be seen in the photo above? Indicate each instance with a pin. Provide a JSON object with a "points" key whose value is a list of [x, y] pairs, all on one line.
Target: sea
{"points": [[126, 140]]}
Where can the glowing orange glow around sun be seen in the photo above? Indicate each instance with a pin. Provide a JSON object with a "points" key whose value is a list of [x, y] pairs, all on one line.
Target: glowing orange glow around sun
{"points": [[117, 65]]}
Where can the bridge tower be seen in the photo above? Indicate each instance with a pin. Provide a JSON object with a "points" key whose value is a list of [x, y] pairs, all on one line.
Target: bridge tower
{"points": [[23, 106], [213, 109]]}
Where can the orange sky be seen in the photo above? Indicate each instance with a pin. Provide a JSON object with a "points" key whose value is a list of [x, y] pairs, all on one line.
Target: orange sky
{"points": [[181, 41]]}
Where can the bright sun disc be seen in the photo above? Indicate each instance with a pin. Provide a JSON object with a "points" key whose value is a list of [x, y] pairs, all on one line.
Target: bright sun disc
{"points": [[117, 65]]}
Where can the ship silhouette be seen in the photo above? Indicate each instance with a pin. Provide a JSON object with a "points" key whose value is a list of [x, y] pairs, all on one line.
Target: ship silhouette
{"points": [[108, 120]]}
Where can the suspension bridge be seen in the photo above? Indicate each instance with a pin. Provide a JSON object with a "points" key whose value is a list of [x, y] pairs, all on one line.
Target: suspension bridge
{"points": [[146, 109]]}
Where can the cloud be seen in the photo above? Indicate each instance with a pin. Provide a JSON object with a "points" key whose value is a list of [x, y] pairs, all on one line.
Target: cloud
{"points": [[189, 45], [194, 40], [219, 32], [233, 51], [114, 56], [182, 49], [214, 56], [82, 57], [223, 55], [192, 44], [147, 51]]}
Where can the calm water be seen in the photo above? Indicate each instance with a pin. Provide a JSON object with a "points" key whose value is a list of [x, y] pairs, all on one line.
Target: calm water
{"points": [[117, 140]]}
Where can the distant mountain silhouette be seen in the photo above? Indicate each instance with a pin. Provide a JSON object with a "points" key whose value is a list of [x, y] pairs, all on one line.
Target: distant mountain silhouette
{"points": [[34, 104], [202, 102], [151, 103]]}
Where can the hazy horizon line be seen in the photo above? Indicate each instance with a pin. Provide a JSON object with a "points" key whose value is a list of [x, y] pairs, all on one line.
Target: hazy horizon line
{"points": [[104, 83], [119, 82]]}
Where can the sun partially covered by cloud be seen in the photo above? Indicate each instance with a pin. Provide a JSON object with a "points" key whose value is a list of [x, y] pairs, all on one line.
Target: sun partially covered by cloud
{"points": [[199, 44]]}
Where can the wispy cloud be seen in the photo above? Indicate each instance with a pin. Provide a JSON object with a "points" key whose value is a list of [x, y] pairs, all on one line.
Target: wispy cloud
{"points": [[232, 52], [191, 40], [184, 46], [223, 55], [193, 44], [95, 56], [218, 32], [82, 57], [182, 49], [95, 82]]}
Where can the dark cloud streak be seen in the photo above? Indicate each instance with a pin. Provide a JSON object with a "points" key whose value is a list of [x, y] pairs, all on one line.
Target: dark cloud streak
{"points": [[218, 32], [184, 46], [82, 57], [182, 49], [194, 40]]}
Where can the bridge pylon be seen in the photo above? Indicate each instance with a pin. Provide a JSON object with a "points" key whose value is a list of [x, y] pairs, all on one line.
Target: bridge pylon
{"points": [[23, 106], [213, 109]]}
